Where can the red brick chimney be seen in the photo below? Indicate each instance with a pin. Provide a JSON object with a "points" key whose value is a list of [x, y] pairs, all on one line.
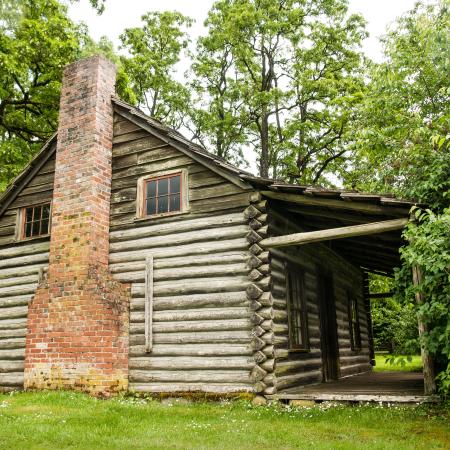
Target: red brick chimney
{"points": [[78, 319]]}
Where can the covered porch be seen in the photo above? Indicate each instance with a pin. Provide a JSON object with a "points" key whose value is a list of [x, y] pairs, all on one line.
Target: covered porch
{"points": [[386, 387], [366, 230]]}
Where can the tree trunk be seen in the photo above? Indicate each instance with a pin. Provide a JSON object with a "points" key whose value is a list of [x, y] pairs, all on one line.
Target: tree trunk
{"points": [[427, 360], [264, 134]]}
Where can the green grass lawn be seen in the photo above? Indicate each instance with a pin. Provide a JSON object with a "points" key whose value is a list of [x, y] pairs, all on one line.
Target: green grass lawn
{"points": [[415, 365], [57, 420]]}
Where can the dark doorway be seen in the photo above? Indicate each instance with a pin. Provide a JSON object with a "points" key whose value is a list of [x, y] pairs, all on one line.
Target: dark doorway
{"points": [[328, 327]]}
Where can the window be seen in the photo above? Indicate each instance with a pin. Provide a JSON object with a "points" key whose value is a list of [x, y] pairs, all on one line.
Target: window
{"points": [[297, 310], [35, 221], [163, 195], [353, 322]]}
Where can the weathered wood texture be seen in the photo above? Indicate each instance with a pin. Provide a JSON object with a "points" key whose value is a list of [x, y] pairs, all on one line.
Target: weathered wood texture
{"points": [[201, 329], [302, 368], [20, 265]]}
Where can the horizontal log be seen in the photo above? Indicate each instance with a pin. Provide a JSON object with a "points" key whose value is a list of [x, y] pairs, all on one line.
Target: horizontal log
{"points": [[22, 261], [214, 388], [153, 363], [17, 281], [193, 314], [11, 379], [165, 229], [193, 326], [219, 258], [192, 376], [192, 286], [213, 337], [183, 273], [12, 354], [334, 233], [298, 379], [198, 248], [13, 324], [24, 289], [20, 300], [302, 365], [23, 250], [201, 349], [14, 343], [17, 333], [13, 312], [11, 366], [210, 300], [23, 271], [171, 240]]}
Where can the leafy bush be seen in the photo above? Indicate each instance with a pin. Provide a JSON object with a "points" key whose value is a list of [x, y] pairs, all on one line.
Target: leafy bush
{"points": [[429, 248], [395, 327]]}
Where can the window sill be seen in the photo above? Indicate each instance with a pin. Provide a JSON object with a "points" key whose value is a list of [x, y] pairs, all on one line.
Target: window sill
{"points": [[32, 238], [159, 216]]}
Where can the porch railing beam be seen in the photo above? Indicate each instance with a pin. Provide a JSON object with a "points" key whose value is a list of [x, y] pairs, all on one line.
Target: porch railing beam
{"points": [[334, 233]]}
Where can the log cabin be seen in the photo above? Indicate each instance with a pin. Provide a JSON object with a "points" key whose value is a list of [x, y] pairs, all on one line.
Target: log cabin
{"points": [[133, 259]]}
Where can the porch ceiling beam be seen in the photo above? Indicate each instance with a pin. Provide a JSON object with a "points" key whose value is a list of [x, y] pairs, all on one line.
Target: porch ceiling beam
{"points": [[333, 233], [363, 207]]}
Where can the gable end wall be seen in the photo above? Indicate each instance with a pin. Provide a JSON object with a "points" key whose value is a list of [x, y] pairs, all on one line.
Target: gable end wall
{"points": [[201, 326]]}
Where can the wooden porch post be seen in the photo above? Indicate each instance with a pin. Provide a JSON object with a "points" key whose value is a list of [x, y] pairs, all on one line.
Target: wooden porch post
{"points": [[427, 360]]}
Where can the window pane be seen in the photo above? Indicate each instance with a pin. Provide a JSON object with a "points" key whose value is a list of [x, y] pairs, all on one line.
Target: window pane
{"points": [[44, 227], [29, 214], [45, 212], [175, 184], [151, 189], [35, 230], [163, 186], [163, 204], [175, 202], [151, 206], [28, 229]]}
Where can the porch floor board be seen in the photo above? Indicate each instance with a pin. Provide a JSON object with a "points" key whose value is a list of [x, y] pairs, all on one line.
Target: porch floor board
{"points": [[402, 387]]}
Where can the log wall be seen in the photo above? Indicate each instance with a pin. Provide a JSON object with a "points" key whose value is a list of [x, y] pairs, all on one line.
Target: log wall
{"points": [[301, 368], [201, 328], [20, 265]]}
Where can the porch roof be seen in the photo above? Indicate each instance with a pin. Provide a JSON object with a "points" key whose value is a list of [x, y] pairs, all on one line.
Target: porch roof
{"points": [[316, 209]]}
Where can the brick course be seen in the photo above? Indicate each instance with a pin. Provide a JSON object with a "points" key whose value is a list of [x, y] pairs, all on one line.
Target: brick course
{"points": [[78, 319]]}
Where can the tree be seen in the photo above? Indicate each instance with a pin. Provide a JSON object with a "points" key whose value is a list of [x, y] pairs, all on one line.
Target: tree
{"points": [[155, 49], [37, 40], [218, 119], [297, 67], [403, 146], [405, 115]]}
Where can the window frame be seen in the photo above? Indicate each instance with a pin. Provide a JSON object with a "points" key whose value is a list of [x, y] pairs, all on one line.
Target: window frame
{"points": [[297, 274], [21, 222], [354, 325], [141, 194]]}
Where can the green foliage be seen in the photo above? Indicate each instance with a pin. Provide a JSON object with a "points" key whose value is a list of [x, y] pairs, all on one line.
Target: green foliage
{"points": [[218, 118], [292, 77], [155, 49], [402, 145], [402, 134], [401, 363], [429, 249], [395, 327], [37, 40]]}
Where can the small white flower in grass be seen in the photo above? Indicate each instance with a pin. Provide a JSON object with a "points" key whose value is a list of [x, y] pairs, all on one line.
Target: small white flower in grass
{"points": [[4, 404]]}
